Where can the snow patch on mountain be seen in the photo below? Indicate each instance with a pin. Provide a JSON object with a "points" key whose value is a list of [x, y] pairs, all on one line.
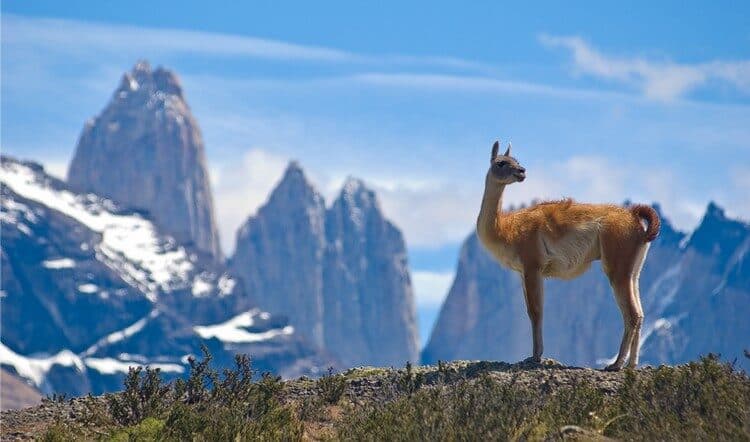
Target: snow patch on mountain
{"points": [[202, 286], [122, 334], [88, 288], [114, 366], [61, 263], [235, 329], [226, 285], [36, 368]]}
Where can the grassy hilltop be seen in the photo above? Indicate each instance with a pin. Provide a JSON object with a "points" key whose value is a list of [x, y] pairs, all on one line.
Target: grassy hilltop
{"points": [[461, 400]]}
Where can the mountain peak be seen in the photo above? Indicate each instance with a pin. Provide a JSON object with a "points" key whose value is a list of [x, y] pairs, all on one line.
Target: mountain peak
{"points": [[353, 186], [142, 78], [293, 171], [357, 200], [714, 211], [141, 67], [148, 134], [294, 183], [718, 235]]}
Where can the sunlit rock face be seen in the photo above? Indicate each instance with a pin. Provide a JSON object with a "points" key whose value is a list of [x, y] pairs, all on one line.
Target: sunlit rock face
{"points": [[695, 291], [280, 253], [368, 298], [340, 274], [145, 151]]}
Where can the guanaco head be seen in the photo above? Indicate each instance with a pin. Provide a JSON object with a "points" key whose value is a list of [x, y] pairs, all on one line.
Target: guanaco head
{"points": [[505, 169]]}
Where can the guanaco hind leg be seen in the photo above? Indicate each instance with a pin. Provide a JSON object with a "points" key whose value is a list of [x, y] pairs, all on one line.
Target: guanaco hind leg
{"points": [[622, 264], [635, 345]]}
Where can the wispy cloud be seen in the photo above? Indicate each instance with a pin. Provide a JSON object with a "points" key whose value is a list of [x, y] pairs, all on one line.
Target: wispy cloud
{"points": [[73, 36], [660, 80], [469, 83], [76, 35]]}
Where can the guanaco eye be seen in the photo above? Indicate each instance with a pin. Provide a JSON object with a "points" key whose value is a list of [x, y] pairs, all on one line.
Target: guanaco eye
{"points": [[502, 164]]}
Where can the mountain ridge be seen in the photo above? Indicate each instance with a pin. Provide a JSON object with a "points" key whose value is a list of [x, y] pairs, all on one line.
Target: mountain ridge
{"points": [[117, 292]]}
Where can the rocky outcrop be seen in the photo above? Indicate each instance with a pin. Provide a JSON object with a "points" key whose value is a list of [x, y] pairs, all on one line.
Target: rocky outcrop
{"points": [[339, 274], [695, 292], [368, 314], [145, 151], [90, 288]]}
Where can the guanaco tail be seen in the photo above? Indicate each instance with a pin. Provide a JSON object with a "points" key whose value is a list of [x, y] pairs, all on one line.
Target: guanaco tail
{"points": [[560, 239]]}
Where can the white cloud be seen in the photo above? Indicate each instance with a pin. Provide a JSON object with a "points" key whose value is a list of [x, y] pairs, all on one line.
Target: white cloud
{"points": [[429, 215], [660, 80], [430, 288], [738, 201]]}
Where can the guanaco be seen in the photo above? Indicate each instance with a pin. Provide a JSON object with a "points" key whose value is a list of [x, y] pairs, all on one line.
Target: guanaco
{"points": [[560, 239]]}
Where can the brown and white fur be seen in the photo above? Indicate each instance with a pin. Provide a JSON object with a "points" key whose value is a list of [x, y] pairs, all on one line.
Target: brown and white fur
{"points": [[560, 239]]}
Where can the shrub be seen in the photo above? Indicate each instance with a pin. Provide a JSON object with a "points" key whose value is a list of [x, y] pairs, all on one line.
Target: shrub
{"points": [[59, 433], [331, 387], [409, 382], [205, 406], [148, 430], [144, 396]]}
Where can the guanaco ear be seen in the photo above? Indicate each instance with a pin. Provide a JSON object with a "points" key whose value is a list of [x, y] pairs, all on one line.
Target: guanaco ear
{"points": [[495, 148], [507, 151]]}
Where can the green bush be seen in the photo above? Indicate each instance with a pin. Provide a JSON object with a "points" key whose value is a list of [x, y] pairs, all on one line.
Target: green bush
{"points": [[206, 406], [144, 396], [59, 433], [149, 429]]}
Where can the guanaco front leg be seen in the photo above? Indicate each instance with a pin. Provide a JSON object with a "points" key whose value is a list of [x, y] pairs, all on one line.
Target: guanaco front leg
{"points": [[533, 291]]}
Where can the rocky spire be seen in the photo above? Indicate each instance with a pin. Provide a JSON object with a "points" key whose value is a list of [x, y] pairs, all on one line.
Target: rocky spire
{"points": [[339, 274], [279, 253], [368, 297], [145, 151]]}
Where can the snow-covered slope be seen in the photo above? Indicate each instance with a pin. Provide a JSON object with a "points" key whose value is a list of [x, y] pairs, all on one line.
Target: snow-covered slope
{"points": [[129, 243], [89, 289]]}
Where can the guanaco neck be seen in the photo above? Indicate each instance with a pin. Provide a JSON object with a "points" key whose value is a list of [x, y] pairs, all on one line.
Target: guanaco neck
{"points": [[490, 212]]}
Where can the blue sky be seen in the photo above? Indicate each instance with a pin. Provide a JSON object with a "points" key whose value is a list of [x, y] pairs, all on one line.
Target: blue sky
{"points": [[602, 103]]}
